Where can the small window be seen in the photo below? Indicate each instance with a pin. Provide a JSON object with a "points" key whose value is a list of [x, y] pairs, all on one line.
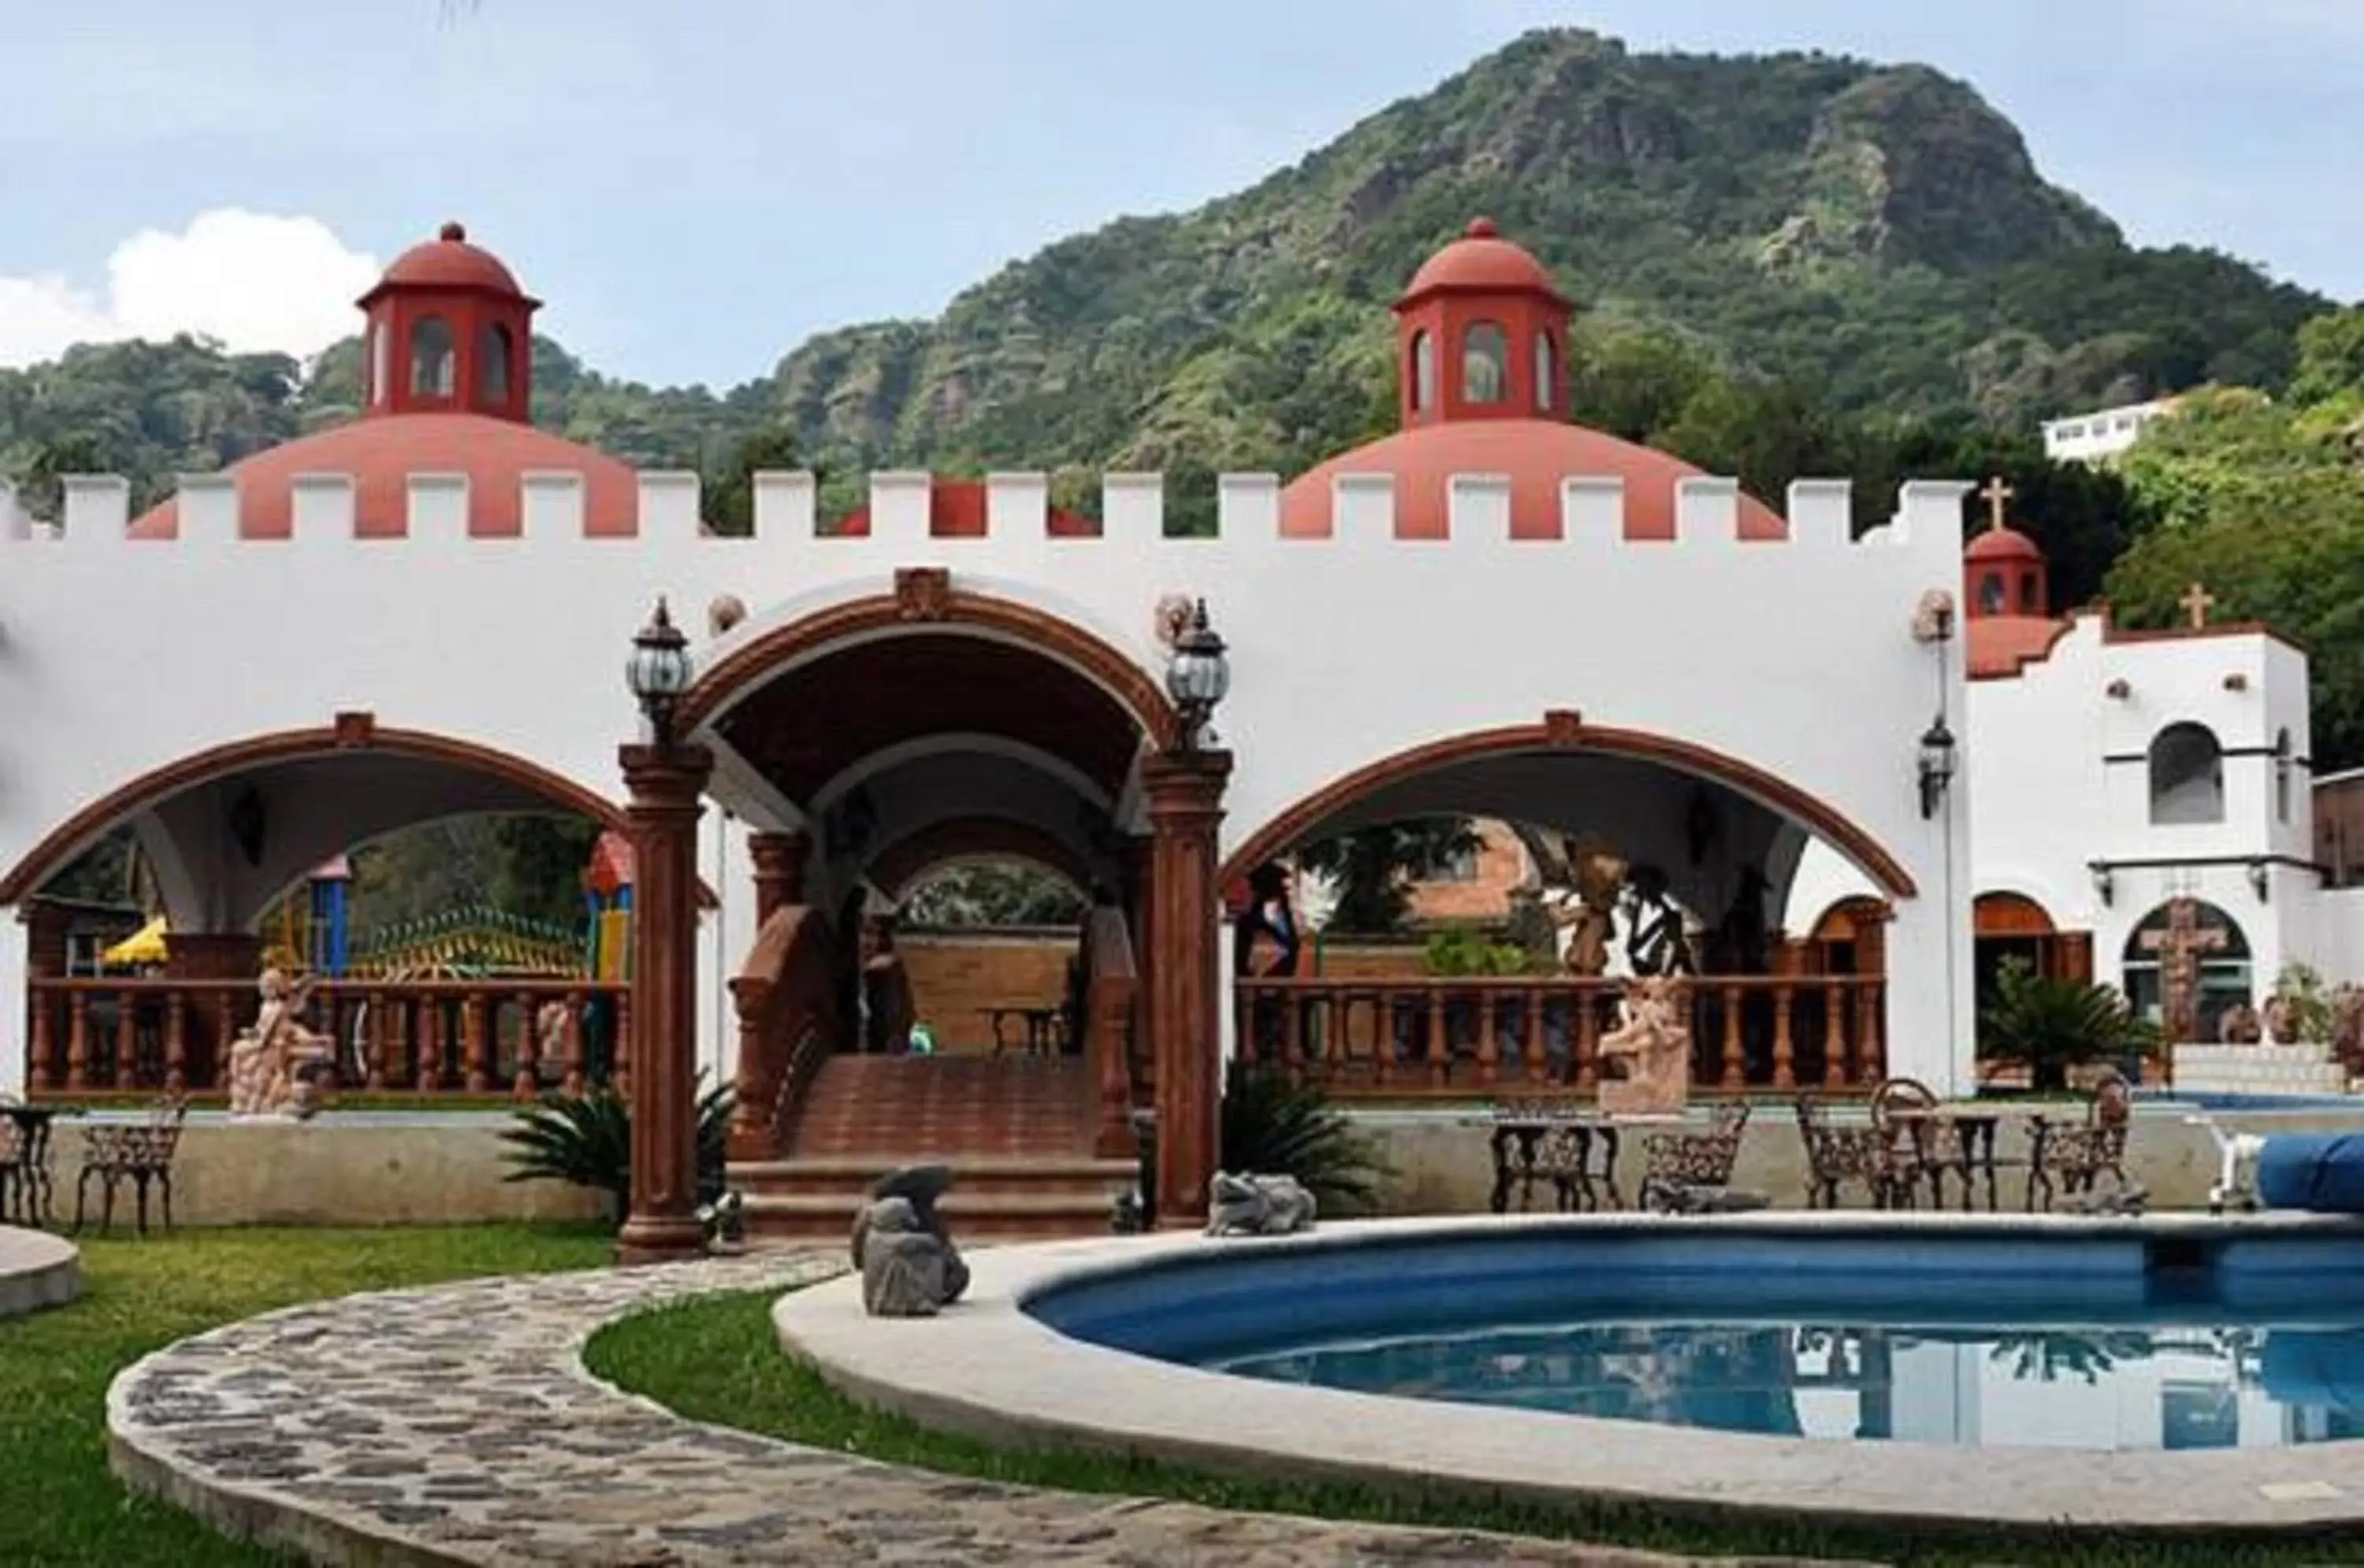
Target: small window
{"points": [[2282, 776], [432, 367], [1546, 373], [1423, 371], [1484, 363], [2031, 598], [1990, 594], [494, 349], [2187, 775], [373, 365]]}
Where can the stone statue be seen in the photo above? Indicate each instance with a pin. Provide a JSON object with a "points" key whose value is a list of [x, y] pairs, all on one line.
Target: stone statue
{"points": [[1258, 1206], [275, 1066], [903, 1273], [910, 1190], [2239, 1025], [1647, 1061]]}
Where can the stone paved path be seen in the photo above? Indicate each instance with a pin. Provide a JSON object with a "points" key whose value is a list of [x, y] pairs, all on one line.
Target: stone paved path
{"points": [[456, 1425]]}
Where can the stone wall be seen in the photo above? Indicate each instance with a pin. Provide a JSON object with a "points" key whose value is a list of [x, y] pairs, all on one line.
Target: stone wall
{"points": [[2258, 1070], [957, 974], [446, 1172]]}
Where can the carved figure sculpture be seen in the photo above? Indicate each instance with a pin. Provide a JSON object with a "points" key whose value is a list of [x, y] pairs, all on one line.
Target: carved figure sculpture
{"points": [[274, 1067], [918, 1186], [1258, 1206], [2239, 1025], [903, 1273], [1600, 873], [2347, 1025], [2280, 1019], [1646, 1060]]}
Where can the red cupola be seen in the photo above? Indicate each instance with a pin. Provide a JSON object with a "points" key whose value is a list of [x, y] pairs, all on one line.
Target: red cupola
{"points": [[450, 332], [1482, 334]]}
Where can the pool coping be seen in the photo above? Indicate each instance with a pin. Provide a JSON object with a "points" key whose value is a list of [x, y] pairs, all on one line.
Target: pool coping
{"points": [[987, 1369]]}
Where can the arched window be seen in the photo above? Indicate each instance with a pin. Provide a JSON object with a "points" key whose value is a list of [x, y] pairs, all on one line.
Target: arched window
{"points": [[1423, 371], [1546, 371], [2220, 956], [2029, 603], [432, 369], [2282, 776], [1484, 363], [373, 364], [2187, 775], [1991, 593], [495, 348]]}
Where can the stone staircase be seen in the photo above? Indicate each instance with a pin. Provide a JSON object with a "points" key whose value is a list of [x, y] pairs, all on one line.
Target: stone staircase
{"points": [[1016, 1130]]}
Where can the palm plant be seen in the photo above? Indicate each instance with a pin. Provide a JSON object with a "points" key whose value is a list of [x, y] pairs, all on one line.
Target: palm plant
{"points": [[587, 1142], [1272, 1127], [2054, 1024]]}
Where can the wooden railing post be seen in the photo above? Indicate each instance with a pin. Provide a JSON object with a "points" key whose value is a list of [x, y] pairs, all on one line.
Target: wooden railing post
{"points": [[78, 1042], [475, 1033], [375, 1036], [1584, 1028], [123, 1073], [1835, 1033], [1439, 1052], [40, 1072], [177, 1041], [1489, 1040], [1785, 1074], [571, 1048], [529, 1048], [428, 1011], [1735, 1068]]}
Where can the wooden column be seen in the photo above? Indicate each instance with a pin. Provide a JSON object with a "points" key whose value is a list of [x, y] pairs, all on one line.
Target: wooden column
{"points": [[779, 861], [665, 784], [1185, 804], [1141, 860]]}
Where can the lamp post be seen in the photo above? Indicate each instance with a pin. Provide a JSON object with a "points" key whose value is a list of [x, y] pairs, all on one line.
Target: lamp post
{"points": [[1198, 677], [665, 782]]}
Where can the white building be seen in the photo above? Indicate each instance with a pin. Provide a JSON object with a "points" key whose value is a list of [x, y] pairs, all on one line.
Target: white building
{"points": [[2101, 435], [2109, 771]]}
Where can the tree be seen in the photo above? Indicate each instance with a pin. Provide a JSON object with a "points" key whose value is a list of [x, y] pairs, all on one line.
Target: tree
{"points": [[1375, 867], [729, 490], [2330, 357], [993, 893]]}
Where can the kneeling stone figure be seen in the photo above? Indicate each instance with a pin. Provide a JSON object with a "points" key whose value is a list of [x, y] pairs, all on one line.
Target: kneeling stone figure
{"points": [[1258, 1206], [910, 1266]]}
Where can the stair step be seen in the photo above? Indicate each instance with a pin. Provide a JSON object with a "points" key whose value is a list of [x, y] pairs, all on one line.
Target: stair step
{"points": [[870, 1166], [952, 1206]]}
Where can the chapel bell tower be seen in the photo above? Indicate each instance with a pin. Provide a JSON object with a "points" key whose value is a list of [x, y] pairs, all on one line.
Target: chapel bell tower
{"points": [[450, 332], [1481, 333]]}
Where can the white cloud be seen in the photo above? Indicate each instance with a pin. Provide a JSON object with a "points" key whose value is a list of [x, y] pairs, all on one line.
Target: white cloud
{"points": [[254, 280]]}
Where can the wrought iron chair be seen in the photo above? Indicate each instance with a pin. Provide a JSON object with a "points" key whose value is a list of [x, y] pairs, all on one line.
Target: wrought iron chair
{"points": [[1678, 1168], [2067, 1159], [1835, 1155], [1917, 1141], [141, 1154]]}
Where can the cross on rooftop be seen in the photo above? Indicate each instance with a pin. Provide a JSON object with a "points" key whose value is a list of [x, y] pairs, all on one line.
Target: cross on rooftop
{"points": [[1995, 495], [2197, 602]]}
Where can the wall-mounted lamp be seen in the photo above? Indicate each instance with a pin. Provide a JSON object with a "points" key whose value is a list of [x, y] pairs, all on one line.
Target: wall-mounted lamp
{"points": [[1198, 675], [2104, 886], [2118, 690], [1937, 760], [2261, 879]]}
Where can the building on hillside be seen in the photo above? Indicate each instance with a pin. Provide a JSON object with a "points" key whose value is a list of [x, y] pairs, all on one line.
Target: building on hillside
{"points": [[2104, 434], [2134, 795]]}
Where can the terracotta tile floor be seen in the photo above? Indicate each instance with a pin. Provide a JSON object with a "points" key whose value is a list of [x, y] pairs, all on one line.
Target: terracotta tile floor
{"points": [[948, 1105]]}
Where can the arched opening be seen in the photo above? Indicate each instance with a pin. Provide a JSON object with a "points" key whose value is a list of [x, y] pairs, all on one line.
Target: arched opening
{"points": [[1993, 593], [373, 365], [1546, 373], [371, 861], [1423, 370], [2187, 775], [496, 349], [2011, 928], [930, 752], [2186, 963], [1484, 363], [434, 368], [1641, 856]]}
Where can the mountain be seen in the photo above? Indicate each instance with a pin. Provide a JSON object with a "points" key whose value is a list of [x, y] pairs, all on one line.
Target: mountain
{"points": [[1875, 238]]}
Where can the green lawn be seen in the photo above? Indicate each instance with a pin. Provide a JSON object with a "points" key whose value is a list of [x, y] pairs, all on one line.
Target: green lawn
{"points": [[715, 1360], [58, 1505]]}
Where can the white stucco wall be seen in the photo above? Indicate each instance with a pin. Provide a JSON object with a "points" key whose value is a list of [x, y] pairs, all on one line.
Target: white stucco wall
{"points": [[1792, 656]]}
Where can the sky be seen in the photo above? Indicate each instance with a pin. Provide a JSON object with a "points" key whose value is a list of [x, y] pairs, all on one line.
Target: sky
{"points": [[694, 188]]}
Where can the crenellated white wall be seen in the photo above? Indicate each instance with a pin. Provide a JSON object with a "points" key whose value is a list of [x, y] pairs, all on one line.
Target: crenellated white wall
{"points": [[119, 656]]}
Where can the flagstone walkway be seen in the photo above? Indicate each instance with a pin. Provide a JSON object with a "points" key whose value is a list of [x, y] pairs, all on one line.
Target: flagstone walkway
{"points": [[457, 1425]]}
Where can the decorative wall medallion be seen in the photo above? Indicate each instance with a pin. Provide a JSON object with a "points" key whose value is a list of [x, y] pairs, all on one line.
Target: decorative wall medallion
{"points": [[1170, 618], [923, 593], [1562, 726], [355, 731]]}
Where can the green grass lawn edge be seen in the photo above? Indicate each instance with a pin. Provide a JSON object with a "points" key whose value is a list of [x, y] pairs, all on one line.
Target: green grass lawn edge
{"points": [[714, 1359]]}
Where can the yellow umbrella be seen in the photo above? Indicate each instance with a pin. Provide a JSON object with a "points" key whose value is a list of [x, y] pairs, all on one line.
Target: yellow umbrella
{"points": [[143, 946]]}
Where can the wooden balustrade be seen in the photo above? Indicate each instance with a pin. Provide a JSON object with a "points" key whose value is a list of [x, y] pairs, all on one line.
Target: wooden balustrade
{"points": [[452, 1038], [1417, 1035]]}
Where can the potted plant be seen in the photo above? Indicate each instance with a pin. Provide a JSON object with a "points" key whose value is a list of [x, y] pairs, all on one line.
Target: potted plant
{"points": [[2051, 1025]]}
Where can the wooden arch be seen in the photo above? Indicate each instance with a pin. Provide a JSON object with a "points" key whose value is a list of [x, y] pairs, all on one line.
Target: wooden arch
{"points": [[1566, 733], [349, 733], [2009, 914], [923, 599]]}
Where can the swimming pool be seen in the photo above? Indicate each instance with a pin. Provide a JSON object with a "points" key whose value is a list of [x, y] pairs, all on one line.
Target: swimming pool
{"points": [[1986, 1337]]}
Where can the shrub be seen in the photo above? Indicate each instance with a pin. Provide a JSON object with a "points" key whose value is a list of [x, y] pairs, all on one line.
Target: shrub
{"points": [[2301, 990], [1274, 1127], [587, 1142], [2054, 1024]]}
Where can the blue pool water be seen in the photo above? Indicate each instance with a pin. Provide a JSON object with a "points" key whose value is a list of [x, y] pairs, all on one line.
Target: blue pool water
{"points": [[2091, 1342]]}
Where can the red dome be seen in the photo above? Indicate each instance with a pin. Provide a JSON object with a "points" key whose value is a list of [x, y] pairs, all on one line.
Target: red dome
{"points": [[382, 454], [449, 261], [2002, 544], [1536, 455], [1480, 260]]}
